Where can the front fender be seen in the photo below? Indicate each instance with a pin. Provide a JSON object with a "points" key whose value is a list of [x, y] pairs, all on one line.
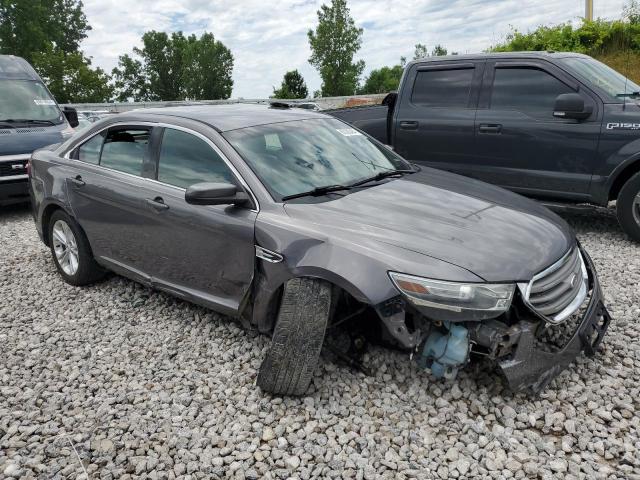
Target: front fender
{"points": [[617, 164]]}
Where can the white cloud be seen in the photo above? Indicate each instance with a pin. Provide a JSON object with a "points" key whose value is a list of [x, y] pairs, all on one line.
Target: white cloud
{"points": [[268, 38]]}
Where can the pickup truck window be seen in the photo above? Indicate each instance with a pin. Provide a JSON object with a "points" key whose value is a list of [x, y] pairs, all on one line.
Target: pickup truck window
{"points": [[528, 90], [443, 88], [614, 84]]}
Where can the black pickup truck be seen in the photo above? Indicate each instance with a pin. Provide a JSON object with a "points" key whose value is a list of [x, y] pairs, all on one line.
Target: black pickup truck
{"points": [[560, 127]]}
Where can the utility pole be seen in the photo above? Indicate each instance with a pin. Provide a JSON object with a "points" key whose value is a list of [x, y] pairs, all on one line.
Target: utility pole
{"points": [[588, 10]]}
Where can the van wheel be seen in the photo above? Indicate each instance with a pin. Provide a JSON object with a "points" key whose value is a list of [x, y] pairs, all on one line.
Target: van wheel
{"points": [[297, 338], [71, 252], [628, 207]]}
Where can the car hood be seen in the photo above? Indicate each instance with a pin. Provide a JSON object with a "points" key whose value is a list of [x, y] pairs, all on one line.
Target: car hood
{"points": [[495, 234]]}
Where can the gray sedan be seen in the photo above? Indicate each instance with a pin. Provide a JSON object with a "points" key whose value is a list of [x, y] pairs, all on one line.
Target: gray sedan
{"points": [[300, 226]]}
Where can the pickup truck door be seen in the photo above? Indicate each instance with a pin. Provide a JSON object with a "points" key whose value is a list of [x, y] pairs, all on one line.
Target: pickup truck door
{"points": [[435, 113], [520, 144]]}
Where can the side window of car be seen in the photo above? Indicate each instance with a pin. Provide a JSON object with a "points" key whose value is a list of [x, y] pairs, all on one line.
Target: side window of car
{"points": [[89, 151], [186, 159], [443, 88], [529, 90], [124, 149]]}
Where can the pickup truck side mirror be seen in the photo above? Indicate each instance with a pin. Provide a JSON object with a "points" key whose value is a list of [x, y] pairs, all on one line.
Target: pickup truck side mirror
{"points": [[208, 193], [72, 116], [571, 105]]}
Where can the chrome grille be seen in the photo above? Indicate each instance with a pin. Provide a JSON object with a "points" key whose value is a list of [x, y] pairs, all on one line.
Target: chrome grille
{"points": [[559, 290]]}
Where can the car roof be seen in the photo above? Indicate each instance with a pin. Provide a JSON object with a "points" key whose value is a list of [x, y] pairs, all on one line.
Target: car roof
{"points": [[16, 68], [231, 116], [500, 55]]}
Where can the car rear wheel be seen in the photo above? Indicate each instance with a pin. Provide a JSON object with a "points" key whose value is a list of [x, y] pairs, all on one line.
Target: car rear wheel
{"points": [[297, 338], [628, 207], [71, 252]]}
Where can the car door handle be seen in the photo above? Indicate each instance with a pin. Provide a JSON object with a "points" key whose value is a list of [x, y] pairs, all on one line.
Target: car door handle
{"points": [[157, 204], [77, 181], [490, 128], [409, 125]]}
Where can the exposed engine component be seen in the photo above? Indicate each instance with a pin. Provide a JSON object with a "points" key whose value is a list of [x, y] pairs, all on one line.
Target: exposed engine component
{"points": [[445, 350]]}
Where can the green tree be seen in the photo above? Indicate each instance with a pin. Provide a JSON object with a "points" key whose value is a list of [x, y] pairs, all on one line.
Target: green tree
{"points": [[293, 86], [70, 77], [175, 67], [382, 80], [47, 33], [439, 51], [420, 51], [207, 68], [333, 44], [28, 27]]}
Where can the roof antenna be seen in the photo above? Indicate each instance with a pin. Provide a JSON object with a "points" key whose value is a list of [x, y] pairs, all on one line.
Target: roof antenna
{"points": [[628, 65]]}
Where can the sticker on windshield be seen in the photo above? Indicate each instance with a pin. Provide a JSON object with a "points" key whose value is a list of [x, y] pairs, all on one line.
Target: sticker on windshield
{"points": [[349, 132], [43, 101]]}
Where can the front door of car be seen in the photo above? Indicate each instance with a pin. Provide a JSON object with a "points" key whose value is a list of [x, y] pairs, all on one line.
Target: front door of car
{"points": [[434, 119], [107, 192], [202, 253], [521, 145]]}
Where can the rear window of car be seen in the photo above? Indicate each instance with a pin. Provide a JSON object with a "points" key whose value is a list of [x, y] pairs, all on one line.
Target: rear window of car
{"points": [[443, 88], [124, 150]]}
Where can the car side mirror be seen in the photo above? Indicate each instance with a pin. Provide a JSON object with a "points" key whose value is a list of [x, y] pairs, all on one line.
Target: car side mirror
{"points": [[209, 193], [72, 116], [571, 105]]}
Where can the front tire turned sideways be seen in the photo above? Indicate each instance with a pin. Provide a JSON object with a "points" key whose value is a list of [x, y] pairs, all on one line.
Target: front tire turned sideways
{"points": [[71, 252], [297, 337], [628, 207]]}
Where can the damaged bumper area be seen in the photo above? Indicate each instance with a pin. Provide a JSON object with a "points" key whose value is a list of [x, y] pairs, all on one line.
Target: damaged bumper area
{"points": [[528, 347]]}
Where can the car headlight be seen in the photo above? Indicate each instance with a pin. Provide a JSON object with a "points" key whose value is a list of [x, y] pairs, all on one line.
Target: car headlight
{"points": [[453, 296]]}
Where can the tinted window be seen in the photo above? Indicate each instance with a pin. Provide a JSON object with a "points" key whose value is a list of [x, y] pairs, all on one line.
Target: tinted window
{"points": [[526, 89], [186, 159], [124, 150], [443, 88], [90, 151]]}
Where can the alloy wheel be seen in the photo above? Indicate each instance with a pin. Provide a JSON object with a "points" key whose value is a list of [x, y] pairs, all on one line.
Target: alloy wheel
{"points": [[65, 247], [636, 208]]}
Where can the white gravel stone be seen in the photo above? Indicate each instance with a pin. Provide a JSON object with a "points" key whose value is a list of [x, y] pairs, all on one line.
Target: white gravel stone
{"points": [[138, 381]]}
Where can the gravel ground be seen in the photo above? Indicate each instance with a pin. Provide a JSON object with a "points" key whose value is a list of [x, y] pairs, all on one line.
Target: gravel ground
{"points": [[115, 381]]}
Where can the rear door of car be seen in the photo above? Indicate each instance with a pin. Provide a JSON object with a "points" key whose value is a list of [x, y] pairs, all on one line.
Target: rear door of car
{"points": [[203, 253], [109, 193], [435, 116]]}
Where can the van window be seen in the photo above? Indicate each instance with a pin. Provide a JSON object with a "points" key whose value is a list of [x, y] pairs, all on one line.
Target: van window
{"points": [[443, 88], [124, 149], [186, 159], [27, 100]]}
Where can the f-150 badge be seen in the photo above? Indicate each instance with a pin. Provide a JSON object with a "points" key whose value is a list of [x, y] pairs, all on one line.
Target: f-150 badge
{"points": [[623, 126]]}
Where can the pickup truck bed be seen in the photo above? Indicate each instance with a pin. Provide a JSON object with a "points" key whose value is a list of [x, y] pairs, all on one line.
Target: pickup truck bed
{"points": [[370, 118]]}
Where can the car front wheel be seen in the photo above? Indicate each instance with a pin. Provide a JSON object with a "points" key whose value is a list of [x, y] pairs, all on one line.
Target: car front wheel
{"points": [[628, 207], [297, 338], [71, 252]]}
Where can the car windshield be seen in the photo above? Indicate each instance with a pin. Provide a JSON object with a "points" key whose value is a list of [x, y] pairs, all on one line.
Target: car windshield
{"points": [[592, 71], [299, 156], [27, 100]]}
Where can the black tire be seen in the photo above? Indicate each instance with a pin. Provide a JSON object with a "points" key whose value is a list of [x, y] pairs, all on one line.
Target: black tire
{"points": [[297, 338], [628, 207], [88, 271]]}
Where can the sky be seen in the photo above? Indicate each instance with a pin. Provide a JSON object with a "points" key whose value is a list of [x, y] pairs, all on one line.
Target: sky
{"points": [[268, 38]]}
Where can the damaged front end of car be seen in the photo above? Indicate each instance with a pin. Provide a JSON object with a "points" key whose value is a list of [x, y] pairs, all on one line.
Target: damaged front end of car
{"points": [[531, 331]]}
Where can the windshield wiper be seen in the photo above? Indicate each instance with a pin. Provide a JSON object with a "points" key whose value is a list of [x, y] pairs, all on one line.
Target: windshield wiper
{"points": [[628, 95], [383, 175], [317, 191], [26, 120]]}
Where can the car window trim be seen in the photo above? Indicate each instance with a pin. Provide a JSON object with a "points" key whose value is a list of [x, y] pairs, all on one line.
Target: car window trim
{"points": [[234, 170]]}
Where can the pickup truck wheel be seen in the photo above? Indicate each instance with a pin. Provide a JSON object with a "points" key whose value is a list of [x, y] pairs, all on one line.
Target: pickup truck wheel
{"points": [[71, 252], [297, 338], [628, 207]]}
